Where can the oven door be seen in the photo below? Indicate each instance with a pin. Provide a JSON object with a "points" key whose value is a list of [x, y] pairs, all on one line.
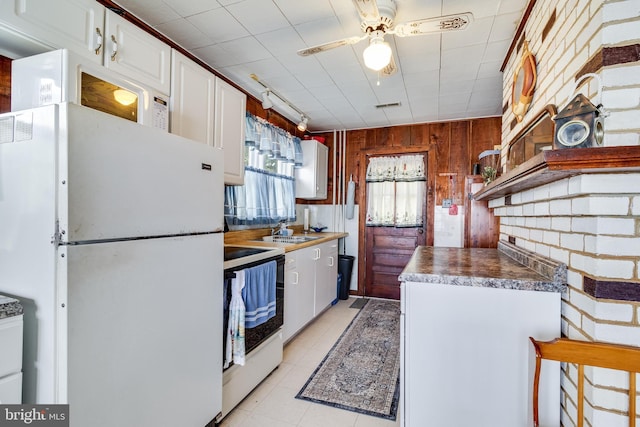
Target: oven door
{"points": [[253, 337]]}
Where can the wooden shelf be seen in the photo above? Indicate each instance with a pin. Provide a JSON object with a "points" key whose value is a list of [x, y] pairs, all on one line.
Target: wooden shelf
{"points": [[553, 165]]}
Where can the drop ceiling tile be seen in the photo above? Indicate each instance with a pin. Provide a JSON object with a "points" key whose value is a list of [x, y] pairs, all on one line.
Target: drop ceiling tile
{"points": [[268, 69], [322, 31], [496, 51], [258, 16], [317, 78], [417, 81], [451, 86], [191, 7], [184, 33], [219, 25], [475, 34], [461, 57], [246, 49], [282, 42], [479, 9], [489, 69], [469, 72], [152, 12], [504, 27], [298, 13]]}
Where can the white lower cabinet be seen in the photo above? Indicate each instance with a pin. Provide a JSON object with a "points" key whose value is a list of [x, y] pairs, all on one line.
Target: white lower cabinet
{"points": [[326, 263], [299, 291], [11, 360], [310, 284], [466, 359]]}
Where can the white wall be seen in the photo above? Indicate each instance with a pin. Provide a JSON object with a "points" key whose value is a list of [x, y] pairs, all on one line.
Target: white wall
{"points": [[589, 222]]}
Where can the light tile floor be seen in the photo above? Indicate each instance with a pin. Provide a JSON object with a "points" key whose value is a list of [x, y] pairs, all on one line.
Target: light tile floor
{"points": [[273, 402]]}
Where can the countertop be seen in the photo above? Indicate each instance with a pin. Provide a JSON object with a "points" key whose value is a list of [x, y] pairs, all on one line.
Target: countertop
{"points": [[491, 268], [288, 247], [9, 307]]}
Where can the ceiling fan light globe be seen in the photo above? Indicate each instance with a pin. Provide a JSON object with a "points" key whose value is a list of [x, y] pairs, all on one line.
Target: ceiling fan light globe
{"points": [[377, 55]]}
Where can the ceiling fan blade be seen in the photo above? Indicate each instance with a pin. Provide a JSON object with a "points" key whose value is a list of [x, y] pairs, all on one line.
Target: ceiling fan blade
{"points": [[390, 69], [367, 9], [331, 45], [440, 24]]}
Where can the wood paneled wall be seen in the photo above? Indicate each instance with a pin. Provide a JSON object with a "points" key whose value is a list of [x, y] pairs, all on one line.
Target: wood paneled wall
{"points": [[452, 148], [5, 84]]}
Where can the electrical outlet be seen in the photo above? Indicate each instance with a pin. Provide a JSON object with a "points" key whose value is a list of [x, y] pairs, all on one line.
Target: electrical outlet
{"points": [[446, 203]]}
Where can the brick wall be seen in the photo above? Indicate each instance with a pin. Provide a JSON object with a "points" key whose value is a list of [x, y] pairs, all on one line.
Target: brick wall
{"points": [[590, 222]]}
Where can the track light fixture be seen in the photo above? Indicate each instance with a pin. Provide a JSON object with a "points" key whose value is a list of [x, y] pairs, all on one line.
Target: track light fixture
{"points": [[267, 102], [302, 126]]}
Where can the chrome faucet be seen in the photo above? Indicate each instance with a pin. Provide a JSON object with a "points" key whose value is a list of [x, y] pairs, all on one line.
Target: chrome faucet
{"points": [[282, 225]]}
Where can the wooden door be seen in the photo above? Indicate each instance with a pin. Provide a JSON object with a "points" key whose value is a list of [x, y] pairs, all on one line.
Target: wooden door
{"points": [[388, 250]]}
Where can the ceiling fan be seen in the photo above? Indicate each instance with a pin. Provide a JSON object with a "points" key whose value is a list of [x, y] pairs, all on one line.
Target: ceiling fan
{"points": [[377, 20]]}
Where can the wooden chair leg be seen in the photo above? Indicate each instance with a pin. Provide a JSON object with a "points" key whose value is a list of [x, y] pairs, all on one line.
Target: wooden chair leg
{"points": [[536, 383]]}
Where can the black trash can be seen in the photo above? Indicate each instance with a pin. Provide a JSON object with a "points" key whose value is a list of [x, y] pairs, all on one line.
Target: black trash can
{"points": [[345, 266]]}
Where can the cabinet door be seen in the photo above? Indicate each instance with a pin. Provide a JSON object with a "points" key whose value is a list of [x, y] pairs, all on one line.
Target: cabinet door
{"points": [[136, 54], [326, 275], [230, 112], [192, 99], [299, 295], [73, 24], [321, 170], [311, 178]]}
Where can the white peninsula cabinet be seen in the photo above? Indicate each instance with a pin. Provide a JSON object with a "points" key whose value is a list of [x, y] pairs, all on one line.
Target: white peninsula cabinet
{"points": [[85, 27], [311, 276], [466, 359]]}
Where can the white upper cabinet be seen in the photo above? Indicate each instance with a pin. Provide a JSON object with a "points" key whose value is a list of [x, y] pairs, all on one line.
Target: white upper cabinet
{"points": [[192, 99], [35, 26], [230, 113], [311, 178], [85, 27], [137, 54]]}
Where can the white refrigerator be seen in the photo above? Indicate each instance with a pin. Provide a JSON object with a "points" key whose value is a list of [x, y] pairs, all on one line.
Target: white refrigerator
{"points": [[111, 237]]}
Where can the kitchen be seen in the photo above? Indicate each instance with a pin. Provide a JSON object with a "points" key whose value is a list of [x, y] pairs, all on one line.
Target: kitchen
{"points": [[588, 222]]}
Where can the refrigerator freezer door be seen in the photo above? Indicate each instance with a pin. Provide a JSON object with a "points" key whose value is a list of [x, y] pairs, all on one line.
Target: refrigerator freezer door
{"points": [[144, 320], [119, 179]]}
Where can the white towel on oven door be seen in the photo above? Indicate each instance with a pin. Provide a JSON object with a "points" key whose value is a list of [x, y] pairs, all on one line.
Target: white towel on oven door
{"points": [[235, 350]]}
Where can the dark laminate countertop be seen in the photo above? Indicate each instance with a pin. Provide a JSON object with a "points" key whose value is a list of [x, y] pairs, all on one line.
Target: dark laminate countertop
{"points": [[9, 307], [490, 268]]}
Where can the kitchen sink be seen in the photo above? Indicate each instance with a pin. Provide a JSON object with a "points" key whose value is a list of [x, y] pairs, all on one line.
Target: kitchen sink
{"points": [[289, 239]]}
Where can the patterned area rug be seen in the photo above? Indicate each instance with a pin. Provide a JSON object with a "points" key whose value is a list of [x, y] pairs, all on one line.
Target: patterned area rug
{"points": [[361, 372]]}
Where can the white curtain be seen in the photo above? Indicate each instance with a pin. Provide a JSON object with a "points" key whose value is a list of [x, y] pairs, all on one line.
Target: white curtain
{"points": [[396, 191], [268, 193]]}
